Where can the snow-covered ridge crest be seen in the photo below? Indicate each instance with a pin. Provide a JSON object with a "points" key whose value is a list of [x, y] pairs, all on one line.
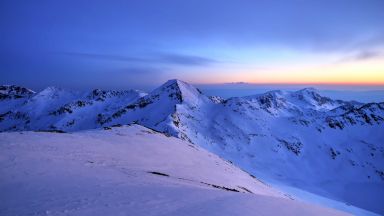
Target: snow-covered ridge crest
{"points": [[162, 108], [101, 95]]}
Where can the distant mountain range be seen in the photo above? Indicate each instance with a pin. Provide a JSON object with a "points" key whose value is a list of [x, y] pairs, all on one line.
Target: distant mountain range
{"points": [[299, 139]]}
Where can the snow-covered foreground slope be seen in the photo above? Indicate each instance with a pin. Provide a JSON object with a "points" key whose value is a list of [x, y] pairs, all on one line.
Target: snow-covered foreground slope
{"points": [[129, 170]]}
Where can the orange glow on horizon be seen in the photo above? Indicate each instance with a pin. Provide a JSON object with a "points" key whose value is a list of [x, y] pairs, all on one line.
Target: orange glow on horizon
{"points": [[302, 83], [371, 81], [355, 73]]}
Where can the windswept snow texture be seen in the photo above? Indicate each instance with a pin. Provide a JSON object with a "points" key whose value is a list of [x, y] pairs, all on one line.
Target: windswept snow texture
{"points": [[129, 171], [303, 140]]}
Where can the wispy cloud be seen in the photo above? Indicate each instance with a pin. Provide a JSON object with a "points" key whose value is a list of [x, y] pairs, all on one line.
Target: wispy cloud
{"points": [[155, 58], [362, 56], [107, 57], [368, 55], [187, 60]]}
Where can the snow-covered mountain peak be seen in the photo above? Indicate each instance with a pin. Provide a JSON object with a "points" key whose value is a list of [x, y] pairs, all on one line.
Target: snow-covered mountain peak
{"points": [[50, 89], [312, 99], [308, 94], [276, 93], [308, 90], [271, 101], [160, 109], [54, 96], [54, 92], [179, 91], [272, 93], [14, 92]]}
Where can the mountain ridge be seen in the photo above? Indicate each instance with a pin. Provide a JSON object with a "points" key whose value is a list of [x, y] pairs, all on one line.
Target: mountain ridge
{"points": [[268, 135]]}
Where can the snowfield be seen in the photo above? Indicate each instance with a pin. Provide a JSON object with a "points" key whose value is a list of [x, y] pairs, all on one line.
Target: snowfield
{"points": [[129, 170]]}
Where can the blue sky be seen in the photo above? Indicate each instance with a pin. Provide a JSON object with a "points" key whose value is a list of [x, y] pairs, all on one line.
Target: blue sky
{"points": [[124, 44]]}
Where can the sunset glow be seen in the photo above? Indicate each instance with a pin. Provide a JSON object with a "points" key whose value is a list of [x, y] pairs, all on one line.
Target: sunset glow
{"points": [[115, 46], [349, 73]]}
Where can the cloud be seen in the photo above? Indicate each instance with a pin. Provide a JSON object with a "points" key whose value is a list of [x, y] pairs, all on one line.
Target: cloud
{"points": [[368, 55], [154, 58], [187, 60], [104, 57], [362, 56]]}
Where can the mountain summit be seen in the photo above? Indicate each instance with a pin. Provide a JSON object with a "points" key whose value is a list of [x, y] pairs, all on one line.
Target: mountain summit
{"points": [[179, 91]]}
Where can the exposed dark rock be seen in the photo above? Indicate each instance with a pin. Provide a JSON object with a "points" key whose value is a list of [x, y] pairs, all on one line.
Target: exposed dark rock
{"points": [[158, 173], [221, 187], [380, 173], [51, 131], [334, 153], [294, 146], [14, 92]]}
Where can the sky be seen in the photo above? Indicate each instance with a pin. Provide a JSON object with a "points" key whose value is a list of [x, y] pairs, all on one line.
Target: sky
{"points": [[142, 43]]}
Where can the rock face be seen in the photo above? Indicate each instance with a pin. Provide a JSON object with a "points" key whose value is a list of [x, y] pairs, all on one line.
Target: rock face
{"points": [[14, 92], [299, 138]]}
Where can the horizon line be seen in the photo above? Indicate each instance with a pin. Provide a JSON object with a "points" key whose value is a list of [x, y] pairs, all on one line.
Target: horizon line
{"points": [[296, 83]]}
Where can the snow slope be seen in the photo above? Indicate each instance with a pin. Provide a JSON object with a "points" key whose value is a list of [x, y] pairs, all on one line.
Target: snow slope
{"points": [[129, 170]]}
